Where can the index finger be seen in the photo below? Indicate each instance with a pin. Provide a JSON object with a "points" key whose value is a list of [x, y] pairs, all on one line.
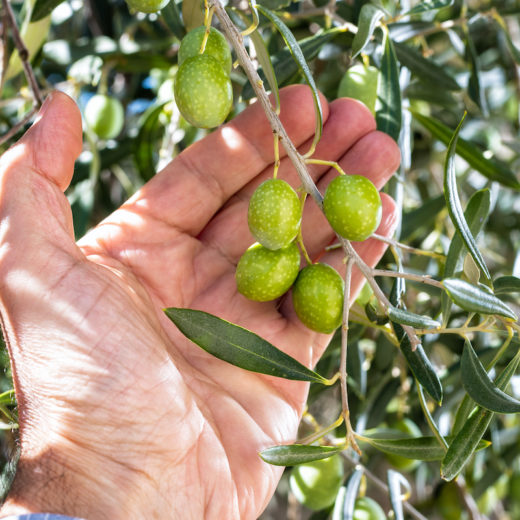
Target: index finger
{"points": [[193, 187]]}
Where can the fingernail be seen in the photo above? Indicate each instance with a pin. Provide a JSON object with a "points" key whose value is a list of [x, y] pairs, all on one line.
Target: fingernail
{"points": [[45, 106]]}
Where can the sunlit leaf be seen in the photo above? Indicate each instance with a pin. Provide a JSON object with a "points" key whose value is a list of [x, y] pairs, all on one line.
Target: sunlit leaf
{"points": [[346, 497], [388, 114], [469, 437], [472, 298], [405, 317], [43, 8], [368, 20], [476, 214], [396, 482], [491, 168], [285, 67], [428, 5], [264, 60], [238, 346], [480, 387], [192, 14], [297, 54], [455, 208], [294, 454]]}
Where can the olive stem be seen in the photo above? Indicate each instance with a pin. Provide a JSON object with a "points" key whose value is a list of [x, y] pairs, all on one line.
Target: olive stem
{"points": [[236, 40], [408, 276], [345, 410], [407, 248], [23, 53], [322, 162]]}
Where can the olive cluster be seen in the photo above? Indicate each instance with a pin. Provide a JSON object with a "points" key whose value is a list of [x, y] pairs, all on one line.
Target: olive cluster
{"points": [[202, 89], [270, 267]]}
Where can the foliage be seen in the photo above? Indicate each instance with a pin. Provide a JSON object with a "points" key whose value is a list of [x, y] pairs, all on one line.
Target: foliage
{"points": [[448, 92]]}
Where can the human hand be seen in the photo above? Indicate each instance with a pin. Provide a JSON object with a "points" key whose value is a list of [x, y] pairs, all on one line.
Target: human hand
{"points": [[120, 415]]}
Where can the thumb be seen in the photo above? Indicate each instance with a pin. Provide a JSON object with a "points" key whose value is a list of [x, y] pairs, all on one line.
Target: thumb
{"points": [[53, 142], [35, 172]]}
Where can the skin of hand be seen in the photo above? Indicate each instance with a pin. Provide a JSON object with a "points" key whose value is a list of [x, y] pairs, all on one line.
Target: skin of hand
{"points": [[121, 416]]}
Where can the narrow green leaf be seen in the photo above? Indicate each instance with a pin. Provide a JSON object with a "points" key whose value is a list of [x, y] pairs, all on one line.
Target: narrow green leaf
{"points": [[480, 387], [369, 17], [476, 214], [492, 169], [297, 54], [425, 69], [455, 208], [172, 17], [264, 60], [238, 346], [469, 437], [395, 482], [506, 285], [420, 365], [192, 14], [346, 497], [285, 67], [416, 448], [405, 317], [513, 49], [424, 215], [43, 8], [472, 298], [294, 454], [150, 130], [429, 5], [7, 397], [389, 112], [475, 91], [403, 31]]}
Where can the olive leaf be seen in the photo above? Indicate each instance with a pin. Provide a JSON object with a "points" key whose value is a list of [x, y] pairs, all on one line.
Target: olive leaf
{"points": [[346, 497], [405, 317], [43, 8], [420, 365], [428, 5], [454, 206], [473, 298], [476, 214], [395, 483], [388, 114], [369, 17], [493, 169], [417, 448], [294, 454], [298, 56], [469, 438], [239, 346], [506, 285], [480, 387]]}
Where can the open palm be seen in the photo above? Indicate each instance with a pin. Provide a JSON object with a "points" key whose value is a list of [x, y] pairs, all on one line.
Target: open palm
{"points": [[121, 416]]}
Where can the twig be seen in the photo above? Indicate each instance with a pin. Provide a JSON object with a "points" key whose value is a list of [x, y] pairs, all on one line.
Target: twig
{"points": [[408, 276], [351, 440], [16, 128], [23, 53], [409, 249], [296, 158]]}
